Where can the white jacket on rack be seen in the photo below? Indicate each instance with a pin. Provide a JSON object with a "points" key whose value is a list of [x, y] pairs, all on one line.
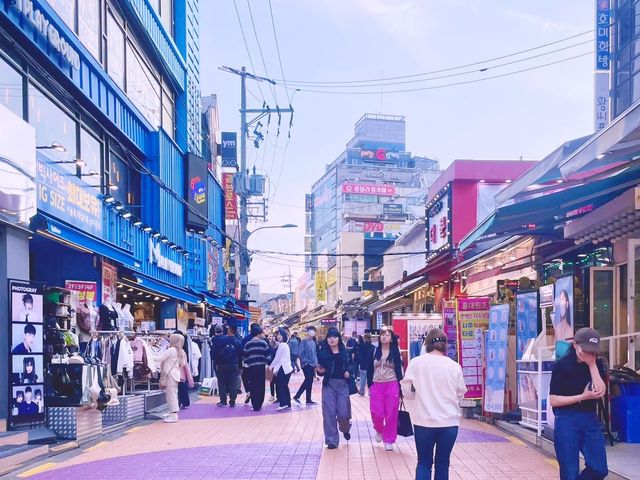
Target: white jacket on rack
{"points": [[125, 358]]}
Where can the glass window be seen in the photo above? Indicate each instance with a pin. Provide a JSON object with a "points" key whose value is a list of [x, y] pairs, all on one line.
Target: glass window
{"points": [[91, 155], [166, 15], [89, 26], [115, 51], [52, 124], [11, 91], [66, 10], [142, 87], [119, 176], [168, 110]]}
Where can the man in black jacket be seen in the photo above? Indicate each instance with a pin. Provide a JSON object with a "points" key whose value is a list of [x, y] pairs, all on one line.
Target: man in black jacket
{"points": [[365, 361], [227, 354], [255, 359]]}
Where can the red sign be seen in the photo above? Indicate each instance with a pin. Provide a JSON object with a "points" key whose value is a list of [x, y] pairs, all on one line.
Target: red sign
{"points": [[87, 291], [373, 227], [230, 200], [369, 189]]}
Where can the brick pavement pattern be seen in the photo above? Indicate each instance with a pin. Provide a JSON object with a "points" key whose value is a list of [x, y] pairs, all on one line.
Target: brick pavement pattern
{"points": [[223, 443]]}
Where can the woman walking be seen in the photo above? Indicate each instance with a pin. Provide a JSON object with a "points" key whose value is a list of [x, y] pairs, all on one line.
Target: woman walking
{"points": [[173, 361], [439, 386], [333, 363], [385, 390], [281, 366]]}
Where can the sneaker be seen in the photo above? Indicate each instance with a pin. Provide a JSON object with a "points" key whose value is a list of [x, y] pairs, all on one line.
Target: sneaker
{"points": [[256, 409], [232, 404], [286, 407], [248, 399], [296, 399], [388, 447], [187, 407], [332, 446], [378, 437], [171, 418], [272, 399], [347, 436], [221, 404], [311, 402]]}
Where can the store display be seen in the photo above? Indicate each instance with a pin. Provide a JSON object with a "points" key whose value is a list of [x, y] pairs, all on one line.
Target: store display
{"points": [[496, 358], [472, 321]]}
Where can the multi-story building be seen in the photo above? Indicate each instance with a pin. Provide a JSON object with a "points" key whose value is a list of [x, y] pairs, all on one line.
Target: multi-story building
{"points": [[103, 184]]}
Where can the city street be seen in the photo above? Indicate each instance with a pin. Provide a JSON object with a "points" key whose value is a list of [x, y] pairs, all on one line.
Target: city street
{"points": [[222, 443]]}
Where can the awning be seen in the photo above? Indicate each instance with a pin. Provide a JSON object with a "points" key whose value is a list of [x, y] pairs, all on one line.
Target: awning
{"points": [[166, 290], [213, 301], [320, 316], [58, 231]]}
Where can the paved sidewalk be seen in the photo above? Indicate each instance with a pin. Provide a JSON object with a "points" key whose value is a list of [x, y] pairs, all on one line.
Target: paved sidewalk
{"points": [[223, 443]]}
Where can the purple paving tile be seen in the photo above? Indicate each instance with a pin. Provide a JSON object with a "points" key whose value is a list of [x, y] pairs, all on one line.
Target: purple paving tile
{"points": [[203, 411], [242, 461], [363, 430]]}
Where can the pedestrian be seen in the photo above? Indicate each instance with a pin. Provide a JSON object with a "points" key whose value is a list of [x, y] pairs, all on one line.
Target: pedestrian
{"points": [[244, 374], [333, 363], [282, 368], [309, 362], [172, 361], [352, 343], [576, 386], [438, 385], [186, 382], [255, 355], [385, 391], [273, 347], [215, 331], [356, 357], [294, 347], [366, 352], [227, 351]]}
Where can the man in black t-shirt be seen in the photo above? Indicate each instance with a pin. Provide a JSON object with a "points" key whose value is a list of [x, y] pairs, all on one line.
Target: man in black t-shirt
{"points": [[576, 386]]}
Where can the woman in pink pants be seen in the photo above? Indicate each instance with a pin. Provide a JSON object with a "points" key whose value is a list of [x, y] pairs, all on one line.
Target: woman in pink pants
{"points": [[385, 391]]}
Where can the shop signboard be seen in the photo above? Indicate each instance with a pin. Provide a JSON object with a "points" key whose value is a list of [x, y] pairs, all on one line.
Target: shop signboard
{"points": [[496, 358], [321, 286], [450, 328], [109, 282], [230, 200], [213, 267], [392, 208], [85, 293], [229, 149], [527, 321], [563, 311], [369, 189], [18, 165], [26, 362], [472, 320], [197, 192], [68, 198], [546, 296], [439, 231]]}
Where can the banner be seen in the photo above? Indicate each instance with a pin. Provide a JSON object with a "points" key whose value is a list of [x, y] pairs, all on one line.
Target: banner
{"points": [[197, 192], [369, 189], [87, 291], [26, 362], [472, 320], [230, 200], [563, 311], [527, 324], [321, 286], [450, 329], [109, 282], [229, 150], [497, 347]]}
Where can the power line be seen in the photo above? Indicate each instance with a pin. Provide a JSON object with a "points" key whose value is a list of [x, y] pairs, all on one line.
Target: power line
{"points": [[275, 36], [264, 64], [311, 254], [246, 46]]}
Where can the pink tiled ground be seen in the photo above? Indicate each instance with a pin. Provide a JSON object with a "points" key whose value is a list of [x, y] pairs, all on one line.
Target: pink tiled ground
{"points": [[210, 442]]}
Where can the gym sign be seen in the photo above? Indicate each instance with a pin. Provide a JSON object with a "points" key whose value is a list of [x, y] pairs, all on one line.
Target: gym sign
{"points": [[155, 256]]}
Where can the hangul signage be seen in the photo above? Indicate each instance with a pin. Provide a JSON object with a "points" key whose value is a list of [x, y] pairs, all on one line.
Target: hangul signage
{"points": [[230, 200], [321, 286], [229, 150], [603, 19], [369, 189], [392, 208], [439, 231]]}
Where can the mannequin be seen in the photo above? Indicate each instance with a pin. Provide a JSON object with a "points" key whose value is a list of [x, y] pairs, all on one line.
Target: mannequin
{"points": [[126, 312], [108, 315], [122, 322]]}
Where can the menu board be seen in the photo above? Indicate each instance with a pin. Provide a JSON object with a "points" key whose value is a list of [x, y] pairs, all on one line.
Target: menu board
{"points": [[473, 320], [496, 358], [26, 363], [527, 321]]}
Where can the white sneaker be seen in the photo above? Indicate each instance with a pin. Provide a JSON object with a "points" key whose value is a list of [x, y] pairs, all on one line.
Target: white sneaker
{"points": [[286, 407], [378, 437], [388, 447], [171, 418]]}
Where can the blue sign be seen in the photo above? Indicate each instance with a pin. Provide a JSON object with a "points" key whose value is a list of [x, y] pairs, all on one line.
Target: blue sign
{"points": [[229, 150], [67, 198], [527, 328], [603, 19], [496, 358]]}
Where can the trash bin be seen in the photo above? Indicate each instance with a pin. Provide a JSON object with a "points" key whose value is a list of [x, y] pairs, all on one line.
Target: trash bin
{"points": [[625, 410]]}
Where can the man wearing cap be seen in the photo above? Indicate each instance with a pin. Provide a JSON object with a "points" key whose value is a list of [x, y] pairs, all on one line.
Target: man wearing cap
{"points": [[576, 386]]}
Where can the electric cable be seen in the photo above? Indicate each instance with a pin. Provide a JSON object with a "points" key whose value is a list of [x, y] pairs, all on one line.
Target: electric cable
{"points": [[264, 63], [246, 46], [275, 36]]}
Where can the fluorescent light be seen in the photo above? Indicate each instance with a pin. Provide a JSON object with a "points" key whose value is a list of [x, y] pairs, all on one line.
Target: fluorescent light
{"points": [[147, 228], [127, 215], [164, 240], [109, 198], [137, 223], [155, 234]]}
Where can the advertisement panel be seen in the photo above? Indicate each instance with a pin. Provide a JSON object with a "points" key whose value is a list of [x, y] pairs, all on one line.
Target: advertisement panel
{"points": [[18, 165], [197, 192], [109, 282], [230, 200], [603, 63], [450, 329], [87, 292], [496, 358], [26, 343], [563, 311], [439, 231], [213, 267], [369, 189], [321, 286], [392, 208], [472, 319], [229, 149], [527, 321]]}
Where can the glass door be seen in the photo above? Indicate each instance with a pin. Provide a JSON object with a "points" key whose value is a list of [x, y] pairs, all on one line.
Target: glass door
{"points": [[603, 312], [633, 300]]}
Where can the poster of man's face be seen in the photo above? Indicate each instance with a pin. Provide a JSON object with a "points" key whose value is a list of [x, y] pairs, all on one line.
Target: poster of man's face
{"points": [[27, 369], [26, 307], [26, 338]]}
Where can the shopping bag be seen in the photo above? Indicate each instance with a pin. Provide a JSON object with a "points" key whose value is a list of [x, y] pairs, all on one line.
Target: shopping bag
{"points": [[405, 428], [209, 385], [353, 389]]}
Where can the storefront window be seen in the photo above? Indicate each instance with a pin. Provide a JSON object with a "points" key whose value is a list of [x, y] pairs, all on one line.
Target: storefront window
{"points": [[11, 90], [52, 124], [115, 50], [91, 154], [142, 87], [66, 10], [89, 26], [127, 179]]}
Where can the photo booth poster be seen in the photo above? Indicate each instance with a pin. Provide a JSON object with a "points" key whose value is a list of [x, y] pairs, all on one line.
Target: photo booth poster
{"points": [[496, 358], [563, 308], [473, 320]]}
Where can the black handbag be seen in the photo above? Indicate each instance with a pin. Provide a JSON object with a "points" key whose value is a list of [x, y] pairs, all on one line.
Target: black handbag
{"points": [[405, 427], [353, 389]]}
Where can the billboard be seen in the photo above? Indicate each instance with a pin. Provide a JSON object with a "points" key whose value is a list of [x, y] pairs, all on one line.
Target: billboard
{"points": [[563, 311], [369, 189], [229, 149], [197, 192], [473, 320], [495, 382], [439, 231], [230, 200]]}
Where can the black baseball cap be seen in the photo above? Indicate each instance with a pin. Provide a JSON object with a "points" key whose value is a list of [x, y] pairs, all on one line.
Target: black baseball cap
{"points": [[588, 339]]}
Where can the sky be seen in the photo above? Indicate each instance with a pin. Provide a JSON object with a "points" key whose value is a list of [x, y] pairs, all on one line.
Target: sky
{"points": [[524, 115]]}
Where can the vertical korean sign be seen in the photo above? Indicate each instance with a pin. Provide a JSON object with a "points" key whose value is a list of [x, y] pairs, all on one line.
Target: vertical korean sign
{"points": [[230, 201], [450, 329], [473, 320], [321, 286], [496, 358], [602, 64]]}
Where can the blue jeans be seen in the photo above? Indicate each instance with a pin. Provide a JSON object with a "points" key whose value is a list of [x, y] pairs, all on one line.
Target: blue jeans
{"points": [[363, 381], [442, 439], [577, 432]]}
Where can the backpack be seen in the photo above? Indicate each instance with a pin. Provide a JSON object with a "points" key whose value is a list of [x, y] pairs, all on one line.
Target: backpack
{"points": [[229, 353]]}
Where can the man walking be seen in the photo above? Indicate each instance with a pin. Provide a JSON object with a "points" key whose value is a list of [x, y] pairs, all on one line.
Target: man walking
{"points": [[309, 362], [294, 347], [255, 358], [366, 352], [576, 386], [227, 352]]}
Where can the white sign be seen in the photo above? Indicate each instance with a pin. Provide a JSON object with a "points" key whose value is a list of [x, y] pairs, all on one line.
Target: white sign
{"points": [[378, 320], [439, 229], [155, 256], [601, 101]]}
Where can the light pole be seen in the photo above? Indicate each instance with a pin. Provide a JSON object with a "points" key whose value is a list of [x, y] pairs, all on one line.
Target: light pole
{"points": [[245, 260]]}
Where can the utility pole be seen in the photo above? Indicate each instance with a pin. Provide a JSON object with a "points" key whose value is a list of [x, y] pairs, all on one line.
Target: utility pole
{"points": [[245, 259]]}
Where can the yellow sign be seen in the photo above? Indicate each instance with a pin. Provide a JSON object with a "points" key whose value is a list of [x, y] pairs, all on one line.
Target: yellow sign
{"points": [[332, 276], [321, 286]]}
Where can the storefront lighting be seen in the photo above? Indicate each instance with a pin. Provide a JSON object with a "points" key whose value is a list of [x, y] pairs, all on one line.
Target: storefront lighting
{"points": [[108, 198], [601, 156], [156, 298], [112, 186], [173, 246], [508, 180], [483, 181], [164, 299], [137, 222], [155, 234], [119, 207], [124, 295], [512, 257], [164, 240], [57, 146], [79, 162], [582, 255], [92, 173], [147, 228], [126, 215], [559, 181]]}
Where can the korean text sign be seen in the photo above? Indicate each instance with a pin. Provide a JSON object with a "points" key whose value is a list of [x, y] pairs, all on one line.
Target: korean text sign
{"points": [[527, 324], [496, 358], [473, 320]]}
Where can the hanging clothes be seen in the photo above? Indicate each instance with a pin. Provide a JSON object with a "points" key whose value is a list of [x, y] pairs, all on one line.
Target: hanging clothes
{"points": [[124, 364], [196, 355]]}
